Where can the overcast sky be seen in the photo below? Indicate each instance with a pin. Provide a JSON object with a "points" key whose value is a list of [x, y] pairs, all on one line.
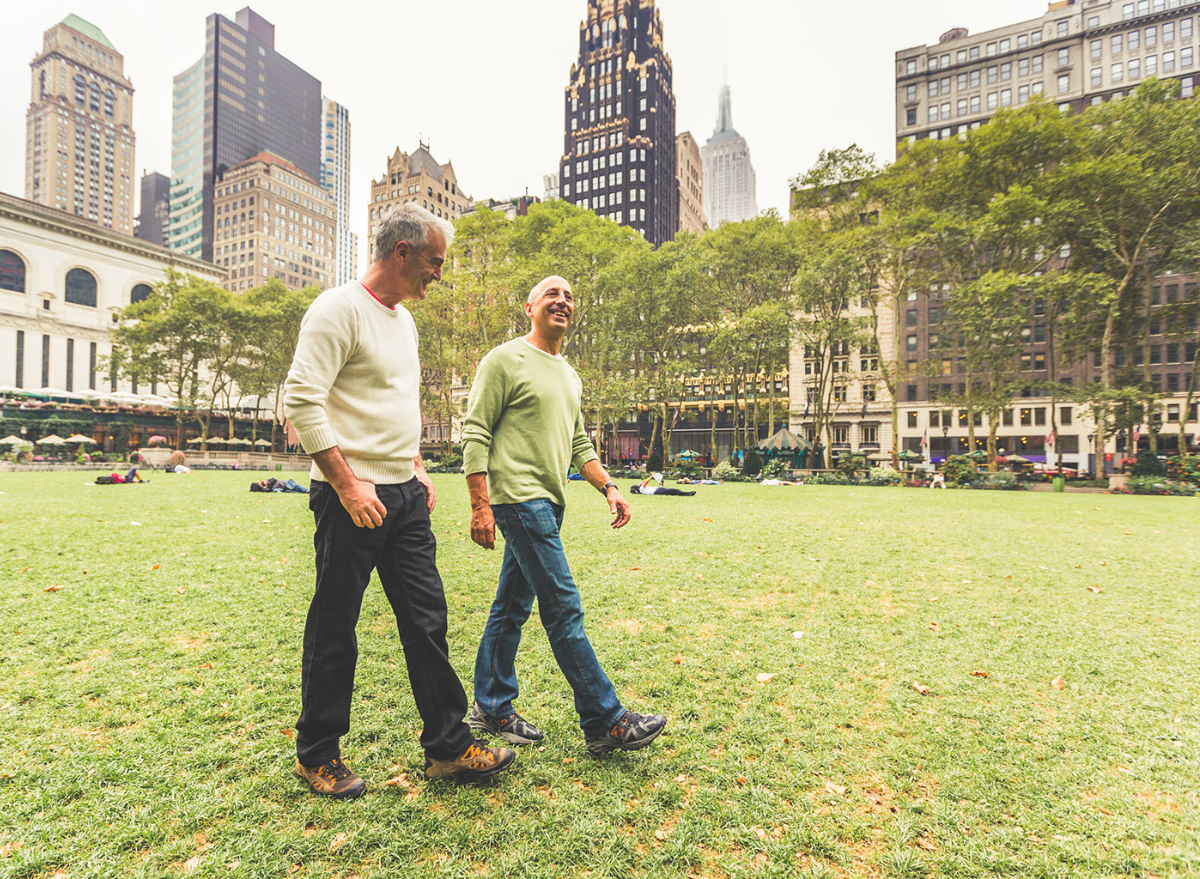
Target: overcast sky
{"points": [[483, 81]]}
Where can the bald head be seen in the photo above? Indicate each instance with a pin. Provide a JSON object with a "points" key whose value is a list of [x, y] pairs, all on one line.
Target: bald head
{"points": [[550, 283]]}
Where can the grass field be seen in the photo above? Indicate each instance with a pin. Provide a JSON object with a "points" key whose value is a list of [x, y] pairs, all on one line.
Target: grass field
{"points": [[146, 706]]}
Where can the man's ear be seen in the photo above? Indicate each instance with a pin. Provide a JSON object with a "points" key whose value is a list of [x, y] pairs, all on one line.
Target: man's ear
{"points": [[529, 310], [402, 249]]}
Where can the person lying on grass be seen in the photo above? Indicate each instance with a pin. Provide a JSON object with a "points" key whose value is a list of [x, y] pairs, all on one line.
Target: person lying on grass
{"points": [[652, 484]]}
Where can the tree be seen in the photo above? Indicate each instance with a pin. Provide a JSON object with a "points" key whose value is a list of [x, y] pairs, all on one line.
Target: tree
{"points": [[1124, 201], [166, 339]]}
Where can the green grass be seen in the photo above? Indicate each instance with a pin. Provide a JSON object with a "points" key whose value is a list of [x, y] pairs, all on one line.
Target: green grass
{"points": [[146, 707]]}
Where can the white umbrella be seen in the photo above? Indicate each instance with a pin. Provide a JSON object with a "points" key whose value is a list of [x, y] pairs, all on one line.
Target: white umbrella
{"points": [[262, 442], [61, 394], [52, 440], [80, 438], [11, 440]]}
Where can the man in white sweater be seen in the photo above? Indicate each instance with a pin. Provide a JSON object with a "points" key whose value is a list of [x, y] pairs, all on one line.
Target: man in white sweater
{"points": [[353, 395]]}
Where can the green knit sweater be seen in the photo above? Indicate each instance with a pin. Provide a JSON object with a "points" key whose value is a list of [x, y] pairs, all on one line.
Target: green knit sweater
{"points": [[524, 427]]}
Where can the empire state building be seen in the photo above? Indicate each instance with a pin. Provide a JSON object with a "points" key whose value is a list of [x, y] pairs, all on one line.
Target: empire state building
{"points": [[619, 136]]}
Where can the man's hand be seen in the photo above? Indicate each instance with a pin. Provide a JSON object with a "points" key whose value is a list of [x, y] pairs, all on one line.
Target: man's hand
{"points": [[483, 526], [362, 503], [423, 478], [619, 507]]}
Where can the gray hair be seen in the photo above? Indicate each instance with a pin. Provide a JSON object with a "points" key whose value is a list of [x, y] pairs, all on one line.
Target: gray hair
{"points": [[408, 222], [536, 293]]}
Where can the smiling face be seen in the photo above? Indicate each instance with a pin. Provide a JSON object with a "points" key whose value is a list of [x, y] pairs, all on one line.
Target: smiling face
{"points": [[417, 269], [551, 307]]}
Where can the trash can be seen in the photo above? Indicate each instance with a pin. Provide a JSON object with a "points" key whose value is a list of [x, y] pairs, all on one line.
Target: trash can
{"points": [[1059, 483], [279, 467]]}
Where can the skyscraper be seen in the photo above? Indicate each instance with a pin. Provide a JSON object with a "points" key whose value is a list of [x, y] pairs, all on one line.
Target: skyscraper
{"points": [[420, 178], [619, 136], [335, 178], [155, 209], [730, 187], [241, 99], [79, 142]]}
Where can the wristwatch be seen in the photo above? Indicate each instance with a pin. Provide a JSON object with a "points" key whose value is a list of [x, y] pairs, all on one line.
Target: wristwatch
{"points": [[607, 486]]}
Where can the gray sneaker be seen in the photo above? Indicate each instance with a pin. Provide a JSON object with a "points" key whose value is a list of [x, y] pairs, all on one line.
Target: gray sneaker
{"points": [[631, 732], [514, 729]]}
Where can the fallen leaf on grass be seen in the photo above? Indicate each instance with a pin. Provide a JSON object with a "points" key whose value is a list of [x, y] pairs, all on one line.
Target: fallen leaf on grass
{"points": [[59, 874], [24, 570], [681, 779], [9, 847], [401, 779], [1104, 811], [568, 759], [54, 588], [192, 864], [872, 583], [155, 567], [337, 842], [979, 674], [765, 677], [677, 659], [760, 833], [699, 576], [835, 789], [290, 733], [931, 598], [741, 779], [660, 835], [935, 627], [1057, 683], [1094, 589], [179, 589], [928, 844], [635, 569], [921, 688]]}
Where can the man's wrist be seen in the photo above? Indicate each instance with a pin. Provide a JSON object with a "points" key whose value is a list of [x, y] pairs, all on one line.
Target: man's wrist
{"points": [[604, 489]]}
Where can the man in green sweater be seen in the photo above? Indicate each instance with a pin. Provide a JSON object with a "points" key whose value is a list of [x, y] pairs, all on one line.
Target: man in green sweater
{"points": [[523, 430]]}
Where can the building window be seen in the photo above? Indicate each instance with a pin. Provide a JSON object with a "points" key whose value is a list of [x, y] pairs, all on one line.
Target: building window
{"points": [[81, 287], [1064, 28], [1064, 83], [70, 385], [45, 361], [12, 272], [139, 293], [1064, 57]]}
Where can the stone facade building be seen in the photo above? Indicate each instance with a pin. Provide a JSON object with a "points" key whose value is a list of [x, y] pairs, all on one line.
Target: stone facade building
{"points": [[416, 177], [63, 280], [691, 184], [271, 220], [619, 132], [79, 140]]}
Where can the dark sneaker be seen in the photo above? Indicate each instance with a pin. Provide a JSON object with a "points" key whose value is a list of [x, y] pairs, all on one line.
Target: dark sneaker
{"points": [[514, 729], [477, 763], [332, 779], [631, 732]]}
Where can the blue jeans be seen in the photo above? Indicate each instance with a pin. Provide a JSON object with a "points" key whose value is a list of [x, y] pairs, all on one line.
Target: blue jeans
{"points": [[535, 566]]}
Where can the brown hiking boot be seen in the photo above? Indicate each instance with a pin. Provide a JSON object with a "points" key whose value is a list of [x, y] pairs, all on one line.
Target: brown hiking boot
{"points": [[332, 779], [477, 763]]}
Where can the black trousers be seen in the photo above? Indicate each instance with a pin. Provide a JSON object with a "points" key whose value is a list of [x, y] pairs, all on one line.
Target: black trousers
{"points": [[404, 552]]}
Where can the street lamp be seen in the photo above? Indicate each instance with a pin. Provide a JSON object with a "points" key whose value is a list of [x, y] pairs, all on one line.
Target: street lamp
{"points": [[945, 441]]}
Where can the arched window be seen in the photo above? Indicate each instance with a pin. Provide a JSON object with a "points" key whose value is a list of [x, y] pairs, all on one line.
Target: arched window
{"points": [[139, 293], [80, 91], [94, 95], [81, 287], [12, 272], [109, 103]]}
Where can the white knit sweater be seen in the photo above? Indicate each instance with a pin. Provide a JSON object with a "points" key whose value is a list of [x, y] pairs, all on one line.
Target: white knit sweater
{"points": [[355, 384]]}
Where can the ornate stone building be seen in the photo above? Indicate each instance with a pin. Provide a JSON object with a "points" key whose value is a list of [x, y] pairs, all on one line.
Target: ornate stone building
{"points": [[63, 279], [420, 178], [619, 133], [79, 142]]}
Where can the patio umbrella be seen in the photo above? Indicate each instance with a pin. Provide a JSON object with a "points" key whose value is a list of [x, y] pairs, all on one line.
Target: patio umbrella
{"points": [[262, 442], [1018, 459], [80, 438], [52, 440], [60, 394], [909, 455], [977, 455], [689, 453], [783, 440], [10, 440], [879, 456], [194, 441]]}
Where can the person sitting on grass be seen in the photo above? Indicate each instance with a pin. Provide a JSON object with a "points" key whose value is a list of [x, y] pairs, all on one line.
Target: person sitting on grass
{"points": [[132, 475], [652, 484]]}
